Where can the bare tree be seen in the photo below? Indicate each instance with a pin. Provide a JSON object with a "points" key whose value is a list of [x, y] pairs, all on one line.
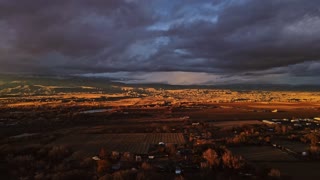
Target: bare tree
{"points": [[212, 157], [231, 161]]}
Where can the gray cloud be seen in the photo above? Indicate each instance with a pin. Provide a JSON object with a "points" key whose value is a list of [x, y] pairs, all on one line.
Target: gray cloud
{"points": [[222, 37], [255, 35]]}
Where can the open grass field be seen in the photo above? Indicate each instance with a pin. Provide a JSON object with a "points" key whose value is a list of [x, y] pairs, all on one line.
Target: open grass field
{"points": [[263, 154], [294, 146], [136, 142], [230, 124], [256, 111], [267, 156], [297, 170]]}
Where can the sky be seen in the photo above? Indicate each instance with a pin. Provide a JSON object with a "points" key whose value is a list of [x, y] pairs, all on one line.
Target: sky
{"points": [[164, 41]]}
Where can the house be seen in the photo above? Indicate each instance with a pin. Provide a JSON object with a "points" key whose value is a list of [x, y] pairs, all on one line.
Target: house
{"points": [[317, 118], [184, 117], [138, 158], [178, 171], [96, 158], [297, 125], [268, 122], [195, 124]]}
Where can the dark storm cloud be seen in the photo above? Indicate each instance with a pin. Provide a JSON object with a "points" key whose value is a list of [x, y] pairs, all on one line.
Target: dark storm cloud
{"points": [[256, 35], [73, 28], [225, 37]]}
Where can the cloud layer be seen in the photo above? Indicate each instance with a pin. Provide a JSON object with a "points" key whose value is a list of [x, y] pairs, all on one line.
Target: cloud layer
{"points": [[239, 39]]}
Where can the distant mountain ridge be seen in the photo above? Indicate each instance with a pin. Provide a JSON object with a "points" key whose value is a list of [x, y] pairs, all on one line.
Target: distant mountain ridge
{"points": [[37, 85], [236, 87], [46, 85]]}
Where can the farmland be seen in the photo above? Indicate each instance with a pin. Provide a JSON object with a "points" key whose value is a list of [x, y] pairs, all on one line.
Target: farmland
{"points": [[294, 146], [135, 142], [230, 124], [272, 157], [297, 170], [263, 154]]}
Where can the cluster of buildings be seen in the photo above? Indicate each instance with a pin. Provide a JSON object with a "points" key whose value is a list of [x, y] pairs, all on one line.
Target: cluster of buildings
{"points": [[298, 122]]}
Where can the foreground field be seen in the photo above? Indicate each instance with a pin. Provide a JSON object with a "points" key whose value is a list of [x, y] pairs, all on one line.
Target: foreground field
{"points": [[263, 154], [135, 142], [267, 156], [297, 170]]}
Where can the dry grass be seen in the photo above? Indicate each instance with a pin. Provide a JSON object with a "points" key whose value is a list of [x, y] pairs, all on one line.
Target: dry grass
{"points": [[230, 124], [135, 142], [263, 153]]}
